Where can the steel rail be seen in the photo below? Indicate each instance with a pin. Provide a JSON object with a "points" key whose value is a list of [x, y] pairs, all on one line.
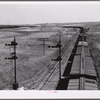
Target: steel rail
{"points": [[56, 65]]}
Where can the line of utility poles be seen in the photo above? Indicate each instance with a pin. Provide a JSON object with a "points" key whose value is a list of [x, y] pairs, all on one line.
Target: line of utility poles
{"points": [[13, 44]]}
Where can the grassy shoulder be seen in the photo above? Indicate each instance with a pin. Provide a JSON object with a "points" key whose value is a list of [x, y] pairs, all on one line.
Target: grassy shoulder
{"points": [[95, 53]]}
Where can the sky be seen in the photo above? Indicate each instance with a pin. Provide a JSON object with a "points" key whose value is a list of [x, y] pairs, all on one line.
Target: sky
{"points": [[49, 12]]}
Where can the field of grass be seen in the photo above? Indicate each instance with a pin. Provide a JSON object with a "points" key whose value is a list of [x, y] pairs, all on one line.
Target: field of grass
{"points": [[31, 63], [94, 44]]}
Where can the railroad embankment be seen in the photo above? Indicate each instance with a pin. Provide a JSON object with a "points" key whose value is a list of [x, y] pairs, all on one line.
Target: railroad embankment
{"points": [[95, 53]]}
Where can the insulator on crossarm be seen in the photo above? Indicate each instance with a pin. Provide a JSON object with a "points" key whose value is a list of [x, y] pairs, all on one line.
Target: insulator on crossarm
{"points": [[49, 46], [7, 58], [14, 57], [53, 59], [13, 53], [7, 44]]}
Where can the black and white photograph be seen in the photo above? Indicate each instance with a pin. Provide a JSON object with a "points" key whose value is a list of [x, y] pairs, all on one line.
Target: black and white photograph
{"points": [[50, 46]]}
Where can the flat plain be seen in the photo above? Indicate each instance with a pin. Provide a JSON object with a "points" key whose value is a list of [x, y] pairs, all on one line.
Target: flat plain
{"points": [[33, 65]]}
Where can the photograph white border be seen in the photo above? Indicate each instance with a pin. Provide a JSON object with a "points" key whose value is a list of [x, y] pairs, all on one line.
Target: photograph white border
{"points": [[49, 94]]}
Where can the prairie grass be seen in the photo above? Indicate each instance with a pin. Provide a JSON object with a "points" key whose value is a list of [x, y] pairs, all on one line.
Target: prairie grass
{"points": [[95, 52]]}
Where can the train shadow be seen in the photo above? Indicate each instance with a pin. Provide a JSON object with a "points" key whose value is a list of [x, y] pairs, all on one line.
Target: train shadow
{"points": [[63, 83]]}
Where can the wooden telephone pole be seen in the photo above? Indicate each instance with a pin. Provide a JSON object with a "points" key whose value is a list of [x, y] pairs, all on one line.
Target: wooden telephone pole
{"points": [[14, 57], [59, 57]]}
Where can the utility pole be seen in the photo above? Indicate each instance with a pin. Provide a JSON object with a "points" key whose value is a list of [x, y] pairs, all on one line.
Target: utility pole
{"points": [[59, 57], [43, 46], [43, 39], [14, 57]]}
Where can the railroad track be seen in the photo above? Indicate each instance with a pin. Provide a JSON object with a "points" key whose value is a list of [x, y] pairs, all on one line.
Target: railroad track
{"points": [[80, 72], [51, 80]]}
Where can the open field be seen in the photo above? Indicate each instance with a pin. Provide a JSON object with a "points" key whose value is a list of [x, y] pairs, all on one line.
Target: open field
{"points": [[32, 65], [94, 44]]}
